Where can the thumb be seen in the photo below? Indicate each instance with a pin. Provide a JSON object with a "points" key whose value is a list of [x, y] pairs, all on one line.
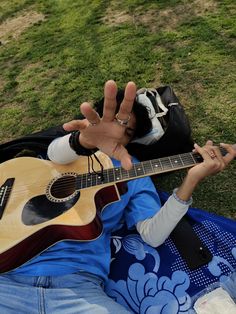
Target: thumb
{"points": [[75, 125], [121, 153]]}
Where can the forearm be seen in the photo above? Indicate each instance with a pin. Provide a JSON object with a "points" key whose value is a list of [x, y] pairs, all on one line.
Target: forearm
{"points": [[154, 231], [185, 190]]}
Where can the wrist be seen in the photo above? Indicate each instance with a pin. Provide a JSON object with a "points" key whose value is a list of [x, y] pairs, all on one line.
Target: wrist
{"points": [[185, 191], [83, 143], [77, 147], [182, 200], [192, 180]]}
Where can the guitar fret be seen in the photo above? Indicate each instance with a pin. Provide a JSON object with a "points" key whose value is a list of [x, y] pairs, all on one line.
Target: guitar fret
{"points": [[135, 172], [176, 161], [111, 175], [99, 179], [117, 172], [105, 178], [132, 173], [170, 162], [156, 164], [188, 159], [78, 182], [181, 159], [139, 169], [194, 161], [147, 167], [124, 174], [88, 180], [165, 162], [151, 165]]}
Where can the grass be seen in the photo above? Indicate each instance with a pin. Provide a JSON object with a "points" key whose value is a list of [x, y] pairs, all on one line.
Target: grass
{"points": [[56, 63]]}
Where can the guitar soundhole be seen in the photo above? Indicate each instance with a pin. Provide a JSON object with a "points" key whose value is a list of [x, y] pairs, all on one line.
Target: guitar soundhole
{"points": [[63, 187]]}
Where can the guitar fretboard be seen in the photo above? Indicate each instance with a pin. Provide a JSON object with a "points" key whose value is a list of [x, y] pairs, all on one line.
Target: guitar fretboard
{"points": [[140, 169]]}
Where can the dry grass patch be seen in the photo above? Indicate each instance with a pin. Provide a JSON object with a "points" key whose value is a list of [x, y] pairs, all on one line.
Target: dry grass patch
{"points": [[168, 19], [201, 7], [113, 17], [14, 27], [165, 19]]}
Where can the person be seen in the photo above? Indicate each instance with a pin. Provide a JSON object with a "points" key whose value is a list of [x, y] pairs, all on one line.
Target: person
{"points": [[69, 276]]}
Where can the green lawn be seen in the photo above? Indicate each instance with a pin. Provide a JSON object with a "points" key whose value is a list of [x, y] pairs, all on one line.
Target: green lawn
{"points": [[55, 54]]}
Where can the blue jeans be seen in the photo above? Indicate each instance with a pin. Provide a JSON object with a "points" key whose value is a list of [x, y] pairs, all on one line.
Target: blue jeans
{"points": [[70, 294]]}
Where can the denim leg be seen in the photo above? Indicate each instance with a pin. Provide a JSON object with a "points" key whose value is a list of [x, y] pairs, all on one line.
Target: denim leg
{"points": [[70, 294], [18, 298], [85, 295]]}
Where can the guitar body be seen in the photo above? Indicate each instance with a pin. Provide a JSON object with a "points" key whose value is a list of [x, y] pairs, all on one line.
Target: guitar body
{"points": [[40, 206]]}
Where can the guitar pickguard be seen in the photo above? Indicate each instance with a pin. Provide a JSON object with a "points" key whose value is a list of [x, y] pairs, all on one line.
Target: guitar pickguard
{"points": [[40, 209]]}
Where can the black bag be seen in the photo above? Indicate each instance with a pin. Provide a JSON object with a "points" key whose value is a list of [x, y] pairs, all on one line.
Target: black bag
{"points": [[33, 145], [177, 131]]}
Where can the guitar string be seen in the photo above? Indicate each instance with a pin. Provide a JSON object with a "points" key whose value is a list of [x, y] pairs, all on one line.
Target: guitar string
{"points": [[69, 184], [66, 183], [190, 158], [187, 158]]}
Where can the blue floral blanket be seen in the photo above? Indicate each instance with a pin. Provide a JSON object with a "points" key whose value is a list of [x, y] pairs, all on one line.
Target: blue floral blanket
{"points": [[157, 280]]}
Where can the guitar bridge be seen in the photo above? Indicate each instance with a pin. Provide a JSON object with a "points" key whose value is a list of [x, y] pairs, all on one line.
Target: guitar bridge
{"points": [[5, 191]]}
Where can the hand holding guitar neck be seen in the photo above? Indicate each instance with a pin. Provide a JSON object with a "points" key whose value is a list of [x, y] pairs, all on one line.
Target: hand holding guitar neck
{"points": [[212, 163]]}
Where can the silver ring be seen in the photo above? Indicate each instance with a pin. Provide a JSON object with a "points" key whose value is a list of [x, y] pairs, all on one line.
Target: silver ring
{"points": [[123, 122], [93, 123], [212, 155]]}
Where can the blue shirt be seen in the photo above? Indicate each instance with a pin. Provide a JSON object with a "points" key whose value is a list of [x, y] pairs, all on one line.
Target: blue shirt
{"points": [[141, 201]]}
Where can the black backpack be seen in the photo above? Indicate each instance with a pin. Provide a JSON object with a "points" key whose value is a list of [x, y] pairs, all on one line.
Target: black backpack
{"points": [[177, 136]]}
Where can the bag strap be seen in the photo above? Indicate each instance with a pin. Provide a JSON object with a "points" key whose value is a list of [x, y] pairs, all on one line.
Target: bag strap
{"points": [[159, 102], [145, 100]]}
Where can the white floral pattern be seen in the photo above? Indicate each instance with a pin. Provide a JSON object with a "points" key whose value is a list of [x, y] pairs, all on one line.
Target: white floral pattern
{"points": [[145, 292], [145, 289]]}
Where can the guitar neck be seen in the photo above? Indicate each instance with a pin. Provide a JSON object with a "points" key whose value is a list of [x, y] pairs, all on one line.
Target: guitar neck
{"points": [[140, 169]]}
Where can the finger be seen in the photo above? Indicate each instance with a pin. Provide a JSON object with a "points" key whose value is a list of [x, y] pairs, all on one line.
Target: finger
{"points": [[211, 150], [209, 142], [217, 156], [217, 153], [128, 101], [73, 125], [109, 108], [202, 151], [231, 152], [121, 153], [90, 114]]}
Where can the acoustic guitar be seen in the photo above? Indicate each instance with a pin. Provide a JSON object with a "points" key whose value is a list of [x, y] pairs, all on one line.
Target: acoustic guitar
{"points": [[42, 203]]}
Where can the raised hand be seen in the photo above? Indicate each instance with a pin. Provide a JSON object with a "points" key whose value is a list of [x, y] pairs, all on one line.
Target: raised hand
{"points": [[109, 132]]}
